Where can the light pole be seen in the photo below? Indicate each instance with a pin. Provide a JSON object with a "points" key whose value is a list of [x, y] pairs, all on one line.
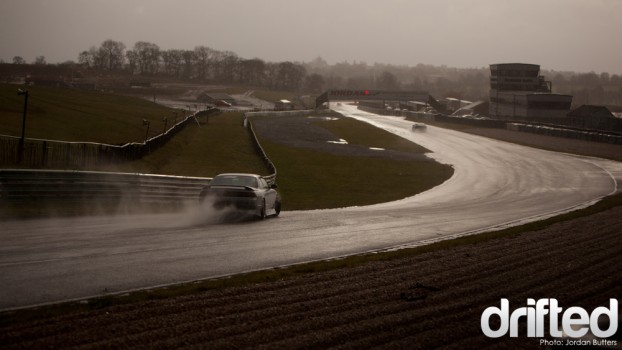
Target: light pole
{"points": [[20, 148]]}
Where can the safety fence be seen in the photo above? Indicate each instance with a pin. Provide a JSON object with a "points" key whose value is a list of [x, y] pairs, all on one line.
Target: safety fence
{"points": [[18, 185], [271, 179], [529, 127], [571, 133], [441, 118], [38, 153], [293, 113], [58, 187]]}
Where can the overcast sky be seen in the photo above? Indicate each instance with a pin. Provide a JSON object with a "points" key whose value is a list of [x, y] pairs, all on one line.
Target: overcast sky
{"points": [[574, 35]]}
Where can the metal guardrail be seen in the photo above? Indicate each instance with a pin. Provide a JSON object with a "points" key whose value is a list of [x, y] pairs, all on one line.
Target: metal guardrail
{"points": [[270, 179], [273, 113], [64, 185], [564, 131], [567, 132]]}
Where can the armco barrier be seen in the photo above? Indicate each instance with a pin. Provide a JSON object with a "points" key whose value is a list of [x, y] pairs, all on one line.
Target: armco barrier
{"points": [[529, 127], [271, 179], [61, 185], [293, 113], [571, 133]]}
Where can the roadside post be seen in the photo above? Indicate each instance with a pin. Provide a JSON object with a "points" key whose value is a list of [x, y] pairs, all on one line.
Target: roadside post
{"points": [[20, 147]]}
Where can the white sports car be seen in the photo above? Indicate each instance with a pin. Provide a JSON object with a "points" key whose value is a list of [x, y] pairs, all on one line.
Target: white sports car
{"points": [[248, 193]]}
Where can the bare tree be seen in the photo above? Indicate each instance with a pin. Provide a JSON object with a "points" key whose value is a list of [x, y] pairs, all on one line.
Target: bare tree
{"points": [[229, 66], [92, 58], [173, 62], [112, 54], [40, 60], [132, 61], [315, 83], [203, 56], [253, 71], [387, 81], [188, 60], [85, 59], [19, 60], [290, 76], [147, 57], [97, 58]]}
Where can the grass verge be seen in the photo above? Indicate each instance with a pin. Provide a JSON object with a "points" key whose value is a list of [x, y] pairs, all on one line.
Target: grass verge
{"points": [[272, 275], [314, 179], [219, 144], [81, 116], [311, 179]]}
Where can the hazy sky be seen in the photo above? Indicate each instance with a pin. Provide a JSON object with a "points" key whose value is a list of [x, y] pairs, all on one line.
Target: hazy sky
{"points": [[577, 35]]}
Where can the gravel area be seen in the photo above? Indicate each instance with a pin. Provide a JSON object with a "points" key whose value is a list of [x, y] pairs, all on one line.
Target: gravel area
{"points": [[433, 300]]}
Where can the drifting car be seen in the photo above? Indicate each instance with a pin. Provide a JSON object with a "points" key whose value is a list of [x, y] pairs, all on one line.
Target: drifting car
{"points": [[247, 193], [419, 127]]}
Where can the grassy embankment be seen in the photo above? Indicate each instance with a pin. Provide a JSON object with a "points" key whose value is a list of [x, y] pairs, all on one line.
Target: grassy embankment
{"points": [[74, 115], [312, 179], [223, 145], [218, 145]]}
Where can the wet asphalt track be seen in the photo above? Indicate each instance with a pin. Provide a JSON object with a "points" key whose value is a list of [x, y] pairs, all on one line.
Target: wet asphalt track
{"points": [[494, 184]]}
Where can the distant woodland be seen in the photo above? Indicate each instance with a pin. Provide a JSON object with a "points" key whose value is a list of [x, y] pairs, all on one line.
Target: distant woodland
{"points": [[146, 62]]}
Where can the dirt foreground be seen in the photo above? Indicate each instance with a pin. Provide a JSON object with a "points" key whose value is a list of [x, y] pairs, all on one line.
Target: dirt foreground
{"points": [[433, 300], [427, 301]]}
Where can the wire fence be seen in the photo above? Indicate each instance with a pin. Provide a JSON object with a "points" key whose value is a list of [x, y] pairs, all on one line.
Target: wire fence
{"points": [[40, 154], [53, 187]]}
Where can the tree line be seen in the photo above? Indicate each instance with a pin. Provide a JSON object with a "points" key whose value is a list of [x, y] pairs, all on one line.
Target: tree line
{"points": [[209, 65], [206, 64], [202, 63]]}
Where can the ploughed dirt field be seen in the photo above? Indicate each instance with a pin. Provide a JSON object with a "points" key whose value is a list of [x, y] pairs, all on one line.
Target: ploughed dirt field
{"points": [[433, 300]]}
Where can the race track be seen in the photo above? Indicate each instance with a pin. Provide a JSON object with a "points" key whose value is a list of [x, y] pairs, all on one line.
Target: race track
{"points": [[494, 184]]}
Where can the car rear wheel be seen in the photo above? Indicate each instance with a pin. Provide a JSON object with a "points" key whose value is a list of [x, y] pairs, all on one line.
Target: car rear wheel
{"points": [[277, 208], [262, 213]]}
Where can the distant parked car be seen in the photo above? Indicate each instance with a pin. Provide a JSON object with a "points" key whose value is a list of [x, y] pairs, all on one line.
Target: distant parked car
{"points": [[247, 193]]}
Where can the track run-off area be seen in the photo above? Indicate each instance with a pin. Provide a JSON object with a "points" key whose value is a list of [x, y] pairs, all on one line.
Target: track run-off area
{"points": [[495, 184]]}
